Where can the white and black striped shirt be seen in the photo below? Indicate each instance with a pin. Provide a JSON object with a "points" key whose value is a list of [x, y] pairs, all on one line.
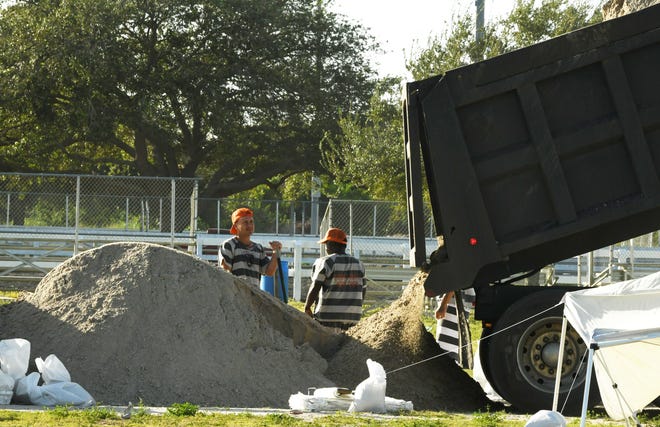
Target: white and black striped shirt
{"points": [[342, 283], [447, 331], [246, 261]]}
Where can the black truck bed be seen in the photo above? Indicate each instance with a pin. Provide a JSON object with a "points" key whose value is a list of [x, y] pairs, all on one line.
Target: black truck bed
{"points": [[537, 155]]}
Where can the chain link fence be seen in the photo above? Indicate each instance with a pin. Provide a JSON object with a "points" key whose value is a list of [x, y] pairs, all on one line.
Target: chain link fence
{"points": [[165, 205], [282, 217], [386, 223]]}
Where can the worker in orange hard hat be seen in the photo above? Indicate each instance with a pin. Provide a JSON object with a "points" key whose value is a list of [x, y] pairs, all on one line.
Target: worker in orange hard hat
{"points": [[338, 284], [243, 257]]}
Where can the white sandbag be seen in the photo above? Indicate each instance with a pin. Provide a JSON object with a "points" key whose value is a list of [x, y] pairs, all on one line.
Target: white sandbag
{"points": [[6, 388], [397, 405], [52, 369], [369, 395], [15, 357], [25, 386], [60, 394], [545, 418], [311, 403]]}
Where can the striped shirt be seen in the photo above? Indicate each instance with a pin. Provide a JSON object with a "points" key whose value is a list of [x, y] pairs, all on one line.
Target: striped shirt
{"points": [[447, 334], [342, 281], [246, 261]]}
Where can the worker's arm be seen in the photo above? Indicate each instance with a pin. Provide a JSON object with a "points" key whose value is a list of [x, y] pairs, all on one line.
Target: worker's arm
{"points": [[312, 298], [441, 311], [271, 268]]}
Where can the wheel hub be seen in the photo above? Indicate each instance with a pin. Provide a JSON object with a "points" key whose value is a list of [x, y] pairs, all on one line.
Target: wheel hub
{"points": [[538, 354]]}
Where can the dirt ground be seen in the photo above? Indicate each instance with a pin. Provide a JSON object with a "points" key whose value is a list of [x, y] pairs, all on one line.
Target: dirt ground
{"points": [[145, 323]]}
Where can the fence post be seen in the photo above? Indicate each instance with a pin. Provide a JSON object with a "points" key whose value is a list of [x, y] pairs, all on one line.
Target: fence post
{"points": [[277, 217], [579, 269], [217, 214], [126, 214], [8, 202], [373, 233], [194, 209], [350, 225], [75, 242], [297, 272], [66, 211], [142, 214], [172, 216]]}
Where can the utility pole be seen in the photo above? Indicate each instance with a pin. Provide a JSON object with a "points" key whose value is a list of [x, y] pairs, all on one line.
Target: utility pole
{"points": [[481, 6], [314, 196]]}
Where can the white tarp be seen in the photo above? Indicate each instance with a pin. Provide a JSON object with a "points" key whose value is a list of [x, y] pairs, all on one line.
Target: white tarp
{"points": [[623, 320]]}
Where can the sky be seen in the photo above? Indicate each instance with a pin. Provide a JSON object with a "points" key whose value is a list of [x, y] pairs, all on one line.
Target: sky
{"points": [[400, 25]]}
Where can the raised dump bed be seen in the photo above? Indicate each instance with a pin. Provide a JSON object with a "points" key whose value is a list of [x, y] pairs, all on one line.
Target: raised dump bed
{"points": [[540, 154]]}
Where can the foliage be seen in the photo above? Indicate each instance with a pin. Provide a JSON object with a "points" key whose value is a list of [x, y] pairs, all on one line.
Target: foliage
{"points": [[529, 22], [8, 296], [369, 156], [489, 419], [183, 409], [91, 415], [238, 92]]}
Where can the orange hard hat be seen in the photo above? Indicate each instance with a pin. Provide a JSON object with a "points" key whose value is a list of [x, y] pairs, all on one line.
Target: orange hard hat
{"points": [[335, 235]]}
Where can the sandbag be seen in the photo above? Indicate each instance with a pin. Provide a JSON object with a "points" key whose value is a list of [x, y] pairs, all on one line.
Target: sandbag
{"points": [[6, 388], [545, 418], [15, 357], [60, 394], [370, 393], [52, 369]]}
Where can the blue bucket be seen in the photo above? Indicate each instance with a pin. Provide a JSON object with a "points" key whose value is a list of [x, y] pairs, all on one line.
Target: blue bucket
{"points": [[267, 282]]}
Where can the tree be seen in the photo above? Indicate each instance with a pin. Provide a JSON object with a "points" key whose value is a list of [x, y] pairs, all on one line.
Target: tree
{"points": [[371, 156], [238, 92], [368, 155]]}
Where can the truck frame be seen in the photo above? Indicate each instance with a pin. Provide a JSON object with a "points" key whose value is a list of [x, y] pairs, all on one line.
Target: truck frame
{"points": [[530, 158]]}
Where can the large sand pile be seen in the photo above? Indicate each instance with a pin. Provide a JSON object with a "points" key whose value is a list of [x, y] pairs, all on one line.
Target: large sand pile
{"points": [[134, 321]]}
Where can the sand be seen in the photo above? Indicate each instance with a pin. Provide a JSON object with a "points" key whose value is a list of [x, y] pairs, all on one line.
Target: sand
{"points": [[145, 323]]}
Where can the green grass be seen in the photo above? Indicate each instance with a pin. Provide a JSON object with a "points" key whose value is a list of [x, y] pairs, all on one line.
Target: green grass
{"points": [[102, 416], [8, 296]]}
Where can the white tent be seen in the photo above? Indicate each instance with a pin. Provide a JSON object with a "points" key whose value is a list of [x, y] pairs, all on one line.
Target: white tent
{"points": [[620, 323]]}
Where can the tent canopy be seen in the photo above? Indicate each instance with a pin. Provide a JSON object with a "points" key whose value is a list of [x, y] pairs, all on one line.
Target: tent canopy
{"points": [[622, 323]]}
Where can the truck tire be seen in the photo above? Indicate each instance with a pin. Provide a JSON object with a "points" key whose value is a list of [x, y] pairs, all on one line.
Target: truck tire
{"points": [[521, 357]]}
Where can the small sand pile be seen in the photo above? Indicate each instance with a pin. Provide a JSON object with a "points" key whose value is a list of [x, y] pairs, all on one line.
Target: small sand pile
{"points": [[397, 339], [136, 321]]}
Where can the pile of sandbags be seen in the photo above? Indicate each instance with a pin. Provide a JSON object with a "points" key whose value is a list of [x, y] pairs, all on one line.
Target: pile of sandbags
{"points": [[51, 386]]}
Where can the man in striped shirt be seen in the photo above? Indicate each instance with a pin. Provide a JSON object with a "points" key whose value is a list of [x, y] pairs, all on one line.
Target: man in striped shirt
{"points": [[241, 256], [451, 323], [338, 284]]}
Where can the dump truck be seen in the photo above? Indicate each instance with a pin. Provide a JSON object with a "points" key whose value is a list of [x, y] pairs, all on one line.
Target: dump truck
{"points": [[527, 159]]}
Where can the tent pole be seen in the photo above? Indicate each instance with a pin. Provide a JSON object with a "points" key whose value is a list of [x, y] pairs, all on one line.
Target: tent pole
{"points": [[560, 361], [587, 384]]}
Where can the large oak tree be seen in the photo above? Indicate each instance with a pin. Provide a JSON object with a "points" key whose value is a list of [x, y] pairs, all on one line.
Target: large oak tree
{"points": [[238, 92]]}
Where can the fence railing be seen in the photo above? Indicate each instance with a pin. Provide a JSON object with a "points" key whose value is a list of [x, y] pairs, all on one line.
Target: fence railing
{"points": [[76, 212]]}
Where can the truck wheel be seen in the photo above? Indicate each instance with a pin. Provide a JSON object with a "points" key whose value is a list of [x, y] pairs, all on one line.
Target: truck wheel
{"points": [[523, 353]]}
